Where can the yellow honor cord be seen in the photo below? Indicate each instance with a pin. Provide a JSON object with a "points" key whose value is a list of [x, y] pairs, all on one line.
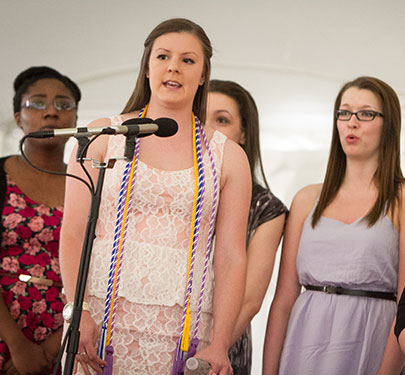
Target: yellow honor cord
{"points": [[124, 218], [186, 329], [119, 253]]}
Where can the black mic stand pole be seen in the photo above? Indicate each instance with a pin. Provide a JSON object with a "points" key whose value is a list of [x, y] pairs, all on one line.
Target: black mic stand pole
{"points": [[73, 331]]}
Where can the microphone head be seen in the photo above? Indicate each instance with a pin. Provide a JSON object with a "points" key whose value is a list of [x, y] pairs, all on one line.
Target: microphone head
{"points": [[167, 127]]}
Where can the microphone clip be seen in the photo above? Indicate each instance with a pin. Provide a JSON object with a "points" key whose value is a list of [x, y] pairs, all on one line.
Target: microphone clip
{"points": [[130, 142]]}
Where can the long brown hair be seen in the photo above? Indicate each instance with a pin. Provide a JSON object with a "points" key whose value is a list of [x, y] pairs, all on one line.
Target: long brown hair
{"points": [[249, 120], [141, 94], [388, 175]]}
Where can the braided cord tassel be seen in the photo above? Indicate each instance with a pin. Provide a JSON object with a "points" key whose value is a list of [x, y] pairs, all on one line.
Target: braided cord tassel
{"points": [[121, 225], [199, 199], [210, 232], [183, 342], [124, 227], [113, 262]]}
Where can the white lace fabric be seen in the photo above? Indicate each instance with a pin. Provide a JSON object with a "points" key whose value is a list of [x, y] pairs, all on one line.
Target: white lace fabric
{"points": [[145, 336], [154, 269]]}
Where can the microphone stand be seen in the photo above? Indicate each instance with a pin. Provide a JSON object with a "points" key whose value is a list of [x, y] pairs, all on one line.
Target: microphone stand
{"points": [[73, 334]]}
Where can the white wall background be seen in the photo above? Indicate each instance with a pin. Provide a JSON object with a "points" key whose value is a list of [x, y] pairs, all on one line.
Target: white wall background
{"points": [[292, 55]]}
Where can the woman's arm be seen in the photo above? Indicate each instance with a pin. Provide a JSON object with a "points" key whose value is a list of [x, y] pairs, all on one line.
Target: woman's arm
{"points": [[52, 343], [401, 340], [76, 212], [30, 360], [400, 322], [229, 255], [260, 262], [288, 286], [393, 360]]}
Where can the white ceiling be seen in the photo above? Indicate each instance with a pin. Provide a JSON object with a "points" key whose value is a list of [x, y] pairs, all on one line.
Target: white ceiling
{"points": [[292, 55]]}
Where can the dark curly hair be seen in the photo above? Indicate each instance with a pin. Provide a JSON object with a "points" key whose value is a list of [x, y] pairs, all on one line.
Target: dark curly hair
{"points": [[29, 76]]}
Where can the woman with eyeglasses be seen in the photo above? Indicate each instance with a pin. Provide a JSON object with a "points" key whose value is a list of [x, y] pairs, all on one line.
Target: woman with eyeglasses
{"points": [[344, 244], [31, 204]]}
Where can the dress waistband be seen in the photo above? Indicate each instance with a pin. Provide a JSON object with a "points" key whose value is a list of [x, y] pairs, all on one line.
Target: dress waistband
{"points": [[329, 289], [31, 279]]}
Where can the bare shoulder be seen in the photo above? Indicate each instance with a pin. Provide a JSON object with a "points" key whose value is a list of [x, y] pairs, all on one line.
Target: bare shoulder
{"points": [[100, 122], [309, 192], [235, 157], [305, 198], [232, 149], [98, 147], [106, 121], [129, 115], [235, 165]]}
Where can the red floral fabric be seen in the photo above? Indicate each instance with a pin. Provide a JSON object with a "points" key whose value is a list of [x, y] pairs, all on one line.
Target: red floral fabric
{"points": [[29, 245]]}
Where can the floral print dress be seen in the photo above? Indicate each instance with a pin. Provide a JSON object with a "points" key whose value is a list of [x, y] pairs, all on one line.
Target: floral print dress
{"points": [[29, 245]]}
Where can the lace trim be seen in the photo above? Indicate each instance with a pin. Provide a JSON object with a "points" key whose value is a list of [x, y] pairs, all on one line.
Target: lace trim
{"points": [[154, 271]]}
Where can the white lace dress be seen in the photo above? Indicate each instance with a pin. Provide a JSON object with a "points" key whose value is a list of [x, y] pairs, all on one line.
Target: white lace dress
{"points": [[154, 271]]}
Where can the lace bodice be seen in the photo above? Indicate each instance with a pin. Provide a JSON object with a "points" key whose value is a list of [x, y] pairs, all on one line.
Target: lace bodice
{"points": [[156, 252]]}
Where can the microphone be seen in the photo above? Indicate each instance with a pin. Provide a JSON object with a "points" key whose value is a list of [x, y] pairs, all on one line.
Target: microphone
{"points": [[135, 127], [166, 128]]}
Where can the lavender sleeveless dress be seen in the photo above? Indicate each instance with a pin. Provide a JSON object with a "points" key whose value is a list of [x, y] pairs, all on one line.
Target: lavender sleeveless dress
{"points": [[340, 334]]}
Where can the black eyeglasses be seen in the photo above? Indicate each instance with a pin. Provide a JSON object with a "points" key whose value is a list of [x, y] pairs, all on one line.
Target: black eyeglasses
{"points": [[365, 115], [39, 103]]}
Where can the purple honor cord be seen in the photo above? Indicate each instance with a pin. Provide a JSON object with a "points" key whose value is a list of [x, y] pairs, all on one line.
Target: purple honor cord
{"points": [[105, 349], [181, 356]]}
